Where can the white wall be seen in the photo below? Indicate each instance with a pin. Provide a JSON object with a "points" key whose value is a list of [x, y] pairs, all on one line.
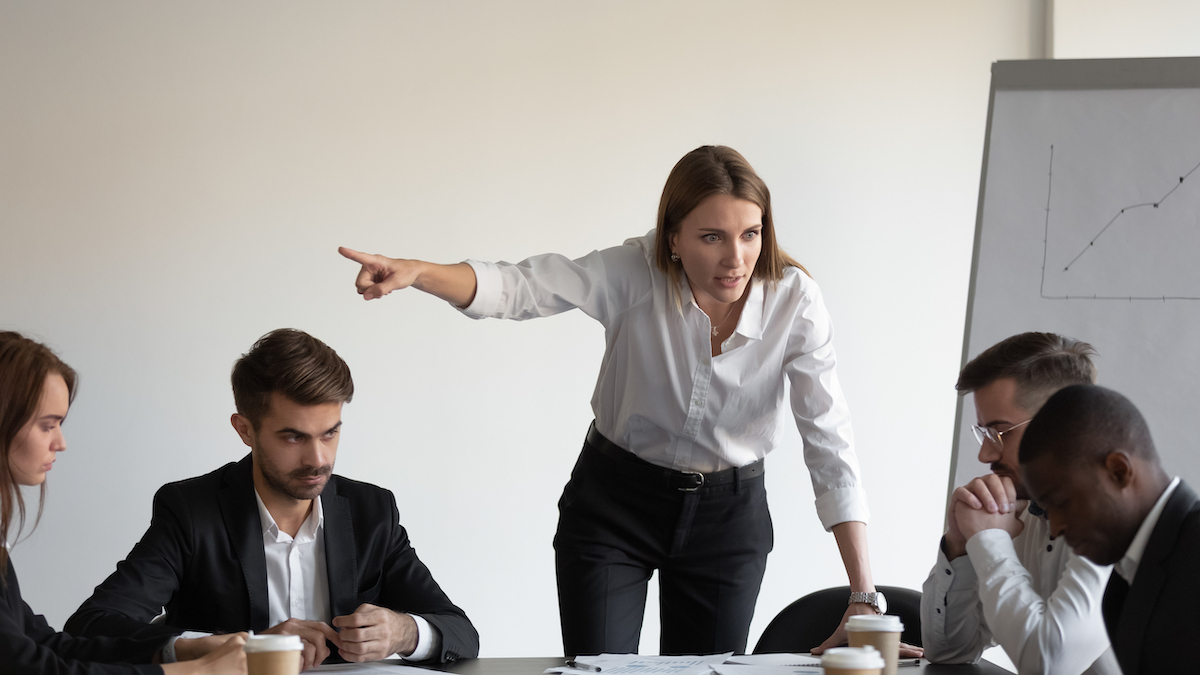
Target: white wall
{"points": [[176, 178], [1112, 29]]}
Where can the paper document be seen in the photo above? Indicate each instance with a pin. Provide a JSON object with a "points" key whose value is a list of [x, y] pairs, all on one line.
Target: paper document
{"points": [[633, 664], [775, 660], [735, 669]]}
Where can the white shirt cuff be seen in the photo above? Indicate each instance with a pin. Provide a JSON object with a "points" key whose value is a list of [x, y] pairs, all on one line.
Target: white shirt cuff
{"points": [[987, 548], [168, 652], [429, 641], [489, 286], [842, 505]]}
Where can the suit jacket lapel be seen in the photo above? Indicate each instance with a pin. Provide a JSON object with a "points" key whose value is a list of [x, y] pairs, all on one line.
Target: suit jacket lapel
{"points": [[1148, 581], [240, 512], [341, 559]]}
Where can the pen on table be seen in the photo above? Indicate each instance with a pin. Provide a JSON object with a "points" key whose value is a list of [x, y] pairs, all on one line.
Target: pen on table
{"points": [[583, 666], [908, 662]]}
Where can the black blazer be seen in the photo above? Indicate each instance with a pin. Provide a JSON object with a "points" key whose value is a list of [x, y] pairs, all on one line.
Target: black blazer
{"points": [[29, 646], [203, 561], [1155, 624]]}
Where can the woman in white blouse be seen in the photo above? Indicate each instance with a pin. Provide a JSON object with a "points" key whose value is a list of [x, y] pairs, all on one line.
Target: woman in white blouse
{"points": [[705, 320]]}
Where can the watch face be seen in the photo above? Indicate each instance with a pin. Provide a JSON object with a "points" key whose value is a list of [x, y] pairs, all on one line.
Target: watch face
{"points": [[881, 603]]}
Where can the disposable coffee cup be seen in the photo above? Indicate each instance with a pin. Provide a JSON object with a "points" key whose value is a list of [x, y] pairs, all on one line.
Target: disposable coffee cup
{"points": [[881, 632], [273, 654], [852, 661]]}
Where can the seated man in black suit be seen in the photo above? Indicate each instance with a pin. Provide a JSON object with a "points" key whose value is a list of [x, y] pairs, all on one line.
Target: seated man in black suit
{"points": [[276, 543], [1088, 459]]}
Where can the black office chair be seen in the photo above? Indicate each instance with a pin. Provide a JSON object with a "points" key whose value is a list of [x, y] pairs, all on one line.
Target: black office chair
{"points": [[809, 621]]}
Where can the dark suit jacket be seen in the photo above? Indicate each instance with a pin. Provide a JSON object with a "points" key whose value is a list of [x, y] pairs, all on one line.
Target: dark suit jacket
{"points": [[1154, 625], [29, 646], [203, 561]]}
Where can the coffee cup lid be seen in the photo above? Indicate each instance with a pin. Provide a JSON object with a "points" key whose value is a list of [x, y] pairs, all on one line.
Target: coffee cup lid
{"points": [[852, 657], [273, 643], [875, 622]]}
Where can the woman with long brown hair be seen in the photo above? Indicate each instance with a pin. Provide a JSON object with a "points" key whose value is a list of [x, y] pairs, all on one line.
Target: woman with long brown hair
{"points": [[36, 389], [707, 322]]}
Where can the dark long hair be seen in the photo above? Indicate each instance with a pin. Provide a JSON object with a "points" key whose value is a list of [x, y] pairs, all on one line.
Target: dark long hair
{"points": [[24, 365]]}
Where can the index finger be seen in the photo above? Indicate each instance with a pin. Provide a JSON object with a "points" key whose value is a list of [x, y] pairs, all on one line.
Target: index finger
{"points": [[328, 631], [358, 618], [357, 256], [962, 494]]}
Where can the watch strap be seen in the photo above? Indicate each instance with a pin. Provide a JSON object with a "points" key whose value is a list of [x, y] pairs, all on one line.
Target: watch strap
{"points": [[871, 599]]}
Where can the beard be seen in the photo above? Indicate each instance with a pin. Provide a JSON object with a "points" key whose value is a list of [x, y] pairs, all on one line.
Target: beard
{"points": [[1013, 474], [287, 483]]}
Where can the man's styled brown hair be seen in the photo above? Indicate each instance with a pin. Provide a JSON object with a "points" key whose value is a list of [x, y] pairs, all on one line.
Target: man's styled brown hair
{"points": [[716, 170], [293, 363], [24, 365], [1041, 364]]}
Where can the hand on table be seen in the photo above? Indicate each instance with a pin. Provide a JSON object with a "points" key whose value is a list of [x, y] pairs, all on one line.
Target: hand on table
{"points": [[381, 275], [372, 633], [839, 639], [313, 634], [187, 649], [225, 657]]}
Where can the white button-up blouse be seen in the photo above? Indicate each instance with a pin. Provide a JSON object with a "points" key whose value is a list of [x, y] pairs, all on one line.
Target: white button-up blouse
{"points": [[664, 397]]}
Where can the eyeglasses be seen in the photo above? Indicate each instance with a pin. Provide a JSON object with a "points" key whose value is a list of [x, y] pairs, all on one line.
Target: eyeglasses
{"points": [[990, 434]]}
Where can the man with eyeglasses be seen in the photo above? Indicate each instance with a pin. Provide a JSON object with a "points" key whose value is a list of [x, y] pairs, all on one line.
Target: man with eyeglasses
{"points": [[1000, 577]]}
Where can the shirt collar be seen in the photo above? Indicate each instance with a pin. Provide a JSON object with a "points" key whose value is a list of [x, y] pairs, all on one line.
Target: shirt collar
{"points": [[1127, 566], [750, 323], [307, 532]]}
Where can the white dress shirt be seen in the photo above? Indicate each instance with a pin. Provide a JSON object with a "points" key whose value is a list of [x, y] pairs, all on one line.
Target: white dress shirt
{"points": [[297, 581], [1031, 594], [1128, 564], [661, 393]]}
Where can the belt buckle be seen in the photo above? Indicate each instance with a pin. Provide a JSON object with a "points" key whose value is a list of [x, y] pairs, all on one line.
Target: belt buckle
{"points": [[699, 481]]}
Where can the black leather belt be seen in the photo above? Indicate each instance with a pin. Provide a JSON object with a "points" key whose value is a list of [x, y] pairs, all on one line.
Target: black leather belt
{"points": [[685, 481]]}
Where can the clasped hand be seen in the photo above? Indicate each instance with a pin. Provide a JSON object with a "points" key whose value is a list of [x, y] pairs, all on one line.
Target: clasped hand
{"points": [[985, 503], [370, 633]]}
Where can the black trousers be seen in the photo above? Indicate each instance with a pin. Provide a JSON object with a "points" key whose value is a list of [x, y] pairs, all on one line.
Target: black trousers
{"points": [[618, 523]]}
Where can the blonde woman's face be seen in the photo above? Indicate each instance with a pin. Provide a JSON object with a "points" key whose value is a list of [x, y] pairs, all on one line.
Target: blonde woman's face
{"points": [[718, 244], [41, 439]]}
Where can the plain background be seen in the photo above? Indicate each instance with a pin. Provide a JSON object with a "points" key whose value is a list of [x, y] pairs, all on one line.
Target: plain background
{"points": [[175, 178]]}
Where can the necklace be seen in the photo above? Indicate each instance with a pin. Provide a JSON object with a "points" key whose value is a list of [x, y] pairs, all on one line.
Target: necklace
{"points": [[716, 330]]}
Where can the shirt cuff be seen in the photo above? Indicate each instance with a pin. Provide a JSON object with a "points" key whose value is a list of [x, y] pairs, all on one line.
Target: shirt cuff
{"points": [[987, 548], [959, 571], [842, 505], [488, 287], [168, 651], [429, 640]]}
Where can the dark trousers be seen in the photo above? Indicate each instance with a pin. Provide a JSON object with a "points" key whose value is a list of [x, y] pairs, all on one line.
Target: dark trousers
{"points": [[618, 523]]}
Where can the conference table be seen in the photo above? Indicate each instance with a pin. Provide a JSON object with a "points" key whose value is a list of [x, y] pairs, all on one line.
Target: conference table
{"points": [[536, 664]]}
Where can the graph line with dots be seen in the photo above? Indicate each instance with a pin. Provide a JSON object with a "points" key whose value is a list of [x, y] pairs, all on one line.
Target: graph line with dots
{"points": [[1091, 244]]}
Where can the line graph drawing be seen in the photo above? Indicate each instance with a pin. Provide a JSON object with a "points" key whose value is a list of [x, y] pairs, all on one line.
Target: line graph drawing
{"points": [[1092, 242]]}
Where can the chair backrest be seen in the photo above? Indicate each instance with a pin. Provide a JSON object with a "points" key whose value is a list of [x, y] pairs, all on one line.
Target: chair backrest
{"points": [[809, 621]]}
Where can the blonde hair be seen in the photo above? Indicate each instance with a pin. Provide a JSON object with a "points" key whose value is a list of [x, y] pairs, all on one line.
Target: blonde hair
{"points": [[716, 170]]}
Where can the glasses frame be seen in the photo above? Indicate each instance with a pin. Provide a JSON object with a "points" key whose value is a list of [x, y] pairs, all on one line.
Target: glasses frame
{"points": [[997, 437]]}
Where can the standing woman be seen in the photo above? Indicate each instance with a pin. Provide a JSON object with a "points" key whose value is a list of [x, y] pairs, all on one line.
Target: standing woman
{"points": [[36, 388], [705, 321]]}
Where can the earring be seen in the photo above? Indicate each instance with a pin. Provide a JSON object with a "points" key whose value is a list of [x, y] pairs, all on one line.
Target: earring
{"points": [[674, 257]]}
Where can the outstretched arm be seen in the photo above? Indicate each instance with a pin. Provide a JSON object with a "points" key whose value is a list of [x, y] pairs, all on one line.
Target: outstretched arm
{"points": [[381, 275]]}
